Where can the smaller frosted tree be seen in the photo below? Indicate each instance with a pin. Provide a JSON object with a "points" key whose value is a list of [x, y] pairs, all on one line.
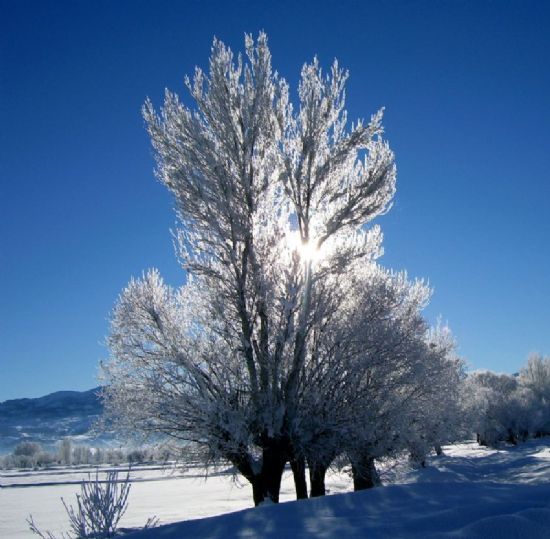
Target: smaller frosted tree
{"points": [[411, 384], [491, 405], [375, 385], [25, 455], [437, 408], [534, 379]]}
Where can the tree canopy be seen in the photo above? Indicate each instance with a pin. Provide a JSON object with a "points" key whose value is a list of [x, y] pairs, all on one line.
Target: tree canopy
{"points": [[287, 342]]}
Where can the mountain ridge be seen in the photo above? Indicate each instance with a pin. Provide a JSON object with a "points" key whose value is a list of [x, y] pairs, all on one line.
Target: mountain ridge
{"points": [[50, 418]]}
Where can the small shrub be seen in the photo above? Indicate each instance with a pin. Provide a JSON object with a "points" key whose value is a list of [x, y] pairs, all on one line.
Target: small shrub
{"points": [[99, 508]]}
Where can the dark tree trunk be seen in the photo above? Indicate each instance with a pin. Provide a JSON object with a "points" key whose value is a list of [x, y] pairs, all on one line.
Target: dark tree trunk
{"points": [[364, 473], [481, 440], [243, 463], [257, 490], [267, 483], [438, 450], [317, 473], [298, 465], [273, 465]]}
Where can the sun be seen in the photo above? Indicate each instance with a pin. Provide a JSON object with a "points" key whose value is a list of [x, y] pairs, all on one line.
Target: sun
{"points": [[307, 250]]}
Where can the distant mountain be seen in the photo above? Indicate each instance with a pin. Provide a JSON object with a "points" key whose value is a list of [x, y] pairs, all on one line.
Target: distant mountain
{"points": [[48, 419]]}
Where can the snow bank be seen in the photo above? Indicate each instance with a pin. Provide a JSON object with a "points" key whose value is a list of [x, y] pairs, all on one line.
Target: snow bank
{"points": [[422, 510], [471, 493]]}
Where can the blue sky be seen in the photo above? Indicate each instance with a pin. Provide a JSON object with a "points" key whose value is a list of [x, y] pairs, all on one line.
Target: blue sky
{"points": [[466, 86]]}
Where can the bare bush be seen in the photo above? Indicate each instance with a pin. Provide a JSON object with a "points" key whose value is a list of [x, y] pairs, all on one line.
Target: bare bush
{"points": [[99, 508]]}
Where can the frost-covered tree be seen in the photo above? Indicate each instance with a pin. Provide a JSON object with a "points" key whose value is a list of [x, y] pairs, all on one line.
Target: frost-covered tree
{"points": [[492, 406], [272, 201], [357, 386], [409, 381], [534, 381], [436, 408], [66, 451], [511, 408]]}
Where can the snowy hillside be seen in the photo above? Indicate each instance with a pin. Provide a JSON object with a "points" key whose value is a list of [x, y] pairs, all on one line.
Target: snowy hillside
{"points": [[422, 511], [470, 493], [48, 419]]}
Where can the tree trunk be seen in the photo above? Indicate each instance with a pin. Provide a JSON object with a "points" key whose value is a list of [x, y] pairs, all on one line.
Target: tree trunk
{"points": [[257, 489], [364, 473], [266, 483], [481, 440], [438, 450], [317, 473], [273, 464], [298, 465]]}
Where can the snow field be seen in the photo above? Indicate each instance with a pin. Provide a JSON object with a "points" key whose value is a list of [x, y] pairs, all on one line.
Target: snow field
{"points": [[470, 493]]}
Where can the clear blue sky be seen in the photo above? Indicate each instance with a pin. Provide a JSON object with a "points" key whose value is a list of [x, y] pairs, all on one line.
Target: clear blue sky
{"points": [[466, 86]]}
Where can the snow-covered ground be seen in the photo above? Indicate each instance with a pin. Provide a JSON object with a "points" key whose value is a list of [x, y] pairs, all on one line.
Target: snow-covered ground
{"points": [[471, 492], [163, 492]]}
